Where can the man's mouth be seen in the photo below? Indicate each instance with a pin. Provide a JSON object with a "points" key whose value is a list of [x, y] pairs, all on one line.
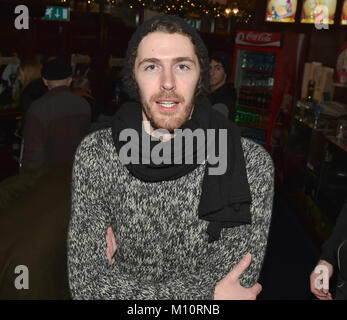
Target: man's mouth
{"points": [[168, 104]]}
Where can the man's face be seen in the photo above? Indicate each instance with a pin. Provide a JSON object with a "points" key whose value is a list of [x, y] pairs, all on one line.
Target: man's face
{"points": [[217, 74], [166, 71]]}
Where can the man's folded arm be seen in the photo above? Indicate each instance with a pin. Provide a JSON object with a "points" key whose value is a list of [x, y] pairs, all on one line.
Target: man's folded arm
{"points": [[90, 275]]}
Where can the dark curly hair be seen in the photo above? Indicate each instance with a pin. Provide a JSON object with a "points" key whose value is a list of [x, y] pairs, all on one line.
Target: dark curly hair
{"points": [[167, 24]]}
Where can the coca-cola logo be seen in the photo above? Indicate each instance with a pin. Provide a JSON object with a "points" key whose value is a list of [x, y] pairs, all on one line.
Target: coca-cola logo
{"points": [[259, 37], [240, 36]]}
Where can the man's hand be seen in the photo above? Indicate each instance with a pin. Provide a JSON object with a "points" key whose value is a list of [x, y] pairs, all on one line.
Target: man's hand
{"points": [[320, 287], [229, 288], [111, 245]]}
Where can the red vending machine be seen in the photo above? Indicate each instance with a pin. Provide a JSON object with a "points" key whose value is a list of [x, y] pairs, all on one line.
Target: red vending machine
{"points": [[265, 74]]}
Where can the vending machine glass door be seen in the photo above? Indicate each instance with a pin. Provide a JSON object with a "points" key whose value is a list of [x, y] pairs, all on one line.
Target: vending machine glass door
{"points": [[254, 82]]}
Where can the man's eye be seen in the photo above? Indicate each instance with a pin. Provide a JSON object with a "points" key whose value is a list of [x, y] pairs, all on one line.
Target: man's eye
{"points": [[150, 67], [183, 67]]}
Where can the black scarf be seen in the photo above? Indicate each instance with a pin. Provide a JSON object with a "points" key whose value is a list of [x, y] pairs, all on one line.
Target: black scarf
{"points": [[225, 199]]}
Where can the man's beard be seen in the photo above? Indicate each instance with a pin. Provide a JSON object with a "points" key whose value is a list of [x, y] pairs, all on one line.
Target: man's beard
{"points": [[161, 120]]}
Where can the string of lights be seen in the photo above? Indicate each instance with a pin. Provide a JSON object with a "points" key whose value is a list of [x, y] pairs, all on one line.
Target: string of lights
{"points": [[183, 8]]}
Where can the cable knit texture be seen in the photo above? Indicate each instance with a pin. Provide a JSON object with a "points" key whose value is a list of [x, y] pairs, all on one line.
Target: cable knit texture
{"points": [[163, 250]]}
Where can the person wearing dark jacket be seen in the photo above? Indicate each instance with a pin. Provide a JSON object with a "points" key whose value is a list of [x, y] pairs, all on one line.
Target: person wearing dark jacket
{"points": [[333, 259], [223, 93], [33, 91], [57, 122]]}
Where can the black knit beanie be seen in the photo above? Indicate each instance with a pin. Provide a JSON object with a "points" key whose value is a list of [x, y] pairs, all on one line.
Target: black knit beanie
{"points": [[151, 25], [56, 69]]}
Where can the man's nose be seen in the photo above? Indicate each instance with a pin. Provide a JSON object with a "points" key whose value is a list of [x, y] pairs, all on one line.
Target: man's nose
{"points": [[168, 80]]}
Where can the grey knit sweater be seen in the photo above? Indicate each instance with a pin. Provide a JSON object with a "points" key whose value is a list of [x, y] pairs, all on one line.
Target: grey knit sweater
{"points": [[163, 250]]}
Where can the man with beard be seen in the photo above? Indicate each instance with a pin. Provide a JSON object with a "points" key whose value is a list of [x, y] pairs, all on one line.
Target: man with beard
{"points": [[171, 230]]}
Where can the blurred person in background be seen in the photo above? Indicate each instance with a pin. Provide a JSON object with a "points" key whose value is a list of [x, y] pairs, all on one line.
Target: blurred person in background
{"points": [[223, 94], [32, 86], [333, 259], [81, 87], [8, 80], [57, 122]]}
